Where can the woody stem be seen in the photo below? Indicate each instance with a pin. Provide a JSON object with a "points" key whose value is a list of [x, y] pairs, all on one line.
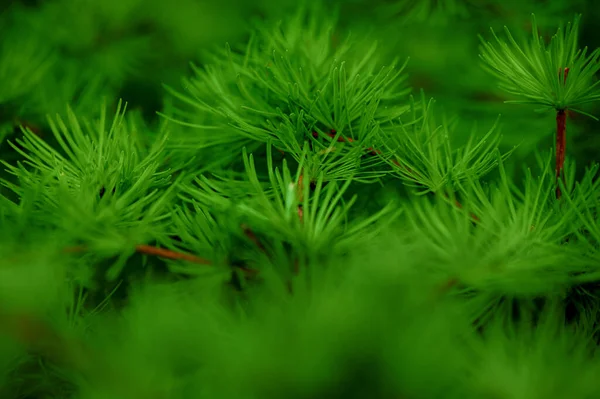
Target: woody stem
{"points": [[165, 254]]}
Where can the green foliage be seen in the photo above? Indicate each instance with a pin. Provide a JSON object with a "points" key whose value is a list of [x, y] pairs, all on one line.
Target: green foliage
{"points": [[291, 221], [539, 74], [424, 155], [24, 64], [100, 186], [289, 81]]}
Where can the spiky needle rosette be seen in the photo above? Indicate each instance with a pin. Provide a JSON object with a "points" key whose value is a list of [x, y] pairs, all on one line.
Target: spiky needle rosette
{"points": [[537, 72]]}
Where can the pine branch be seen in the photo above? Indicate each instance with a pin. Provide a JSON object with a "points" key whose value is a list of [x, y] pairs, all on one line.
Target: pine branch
{"points": [[168, 254], [375, 152], [281, 89], [528, 70]]}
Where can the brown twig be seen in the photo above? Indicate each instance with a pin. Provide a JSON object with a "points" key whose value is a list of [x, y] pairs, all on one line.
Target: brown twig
{"points": [[166, 254]]}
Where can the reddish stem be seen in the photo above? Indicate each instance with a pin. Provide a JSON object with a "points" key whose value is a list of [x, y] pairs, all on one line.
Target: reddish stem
{"points": [[167, 254]]}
